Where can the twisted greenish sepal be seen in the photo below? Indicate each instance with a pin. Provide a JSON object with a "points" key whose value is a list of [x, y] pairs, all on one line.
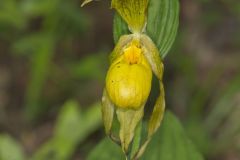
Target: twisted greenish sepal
{"points": [[128, 120], [85, 2], [107, 112]]}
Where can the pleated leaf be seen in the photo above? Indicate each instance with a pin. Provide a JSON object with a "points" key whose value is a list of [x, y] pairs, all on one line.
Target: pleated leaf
{"points": [[106, 150], [171, 143]]}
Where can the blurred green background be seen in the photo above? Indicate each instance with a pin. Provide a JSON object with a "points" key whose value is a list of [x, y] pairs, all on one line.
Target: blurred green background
{"points": [[53, 62]]}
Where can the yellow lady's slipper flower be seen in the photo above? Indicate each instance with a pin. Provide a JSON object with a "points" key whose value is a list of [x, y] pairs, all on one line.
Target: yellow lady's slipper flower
{"points": [[128, 84], [128, 81]]}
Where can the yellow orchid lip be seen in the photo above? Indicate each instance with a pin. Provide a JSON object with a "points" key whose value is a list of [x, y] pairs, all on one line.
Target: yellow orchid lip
{"points": [[128, 81]]}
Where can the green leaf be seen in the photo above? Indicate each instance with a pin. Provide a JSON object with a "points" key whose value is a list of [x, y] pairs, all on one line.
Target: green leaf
{"points": [[72, 127], [37, 8], [169, 143], [10, 149], [11, 15], [120, 27], [162, 24], [106, 150]]}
